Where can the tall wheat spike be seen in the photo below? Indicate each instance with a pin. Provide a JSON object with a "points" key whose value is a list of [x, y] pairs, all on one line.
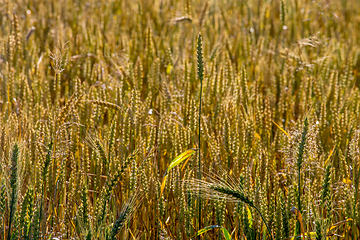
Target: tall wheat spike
{"points": [[200, 65], [299, 164]]}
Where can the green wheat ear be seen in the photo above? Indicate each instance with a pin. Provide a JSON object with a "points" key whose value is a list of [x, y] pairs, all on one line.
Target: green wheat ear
{"points": [[127, 212], [299, 165], [13, 185], [282, 12], [318, 230], [326, 185], [200, 60], [232, 193], [302, 144]]}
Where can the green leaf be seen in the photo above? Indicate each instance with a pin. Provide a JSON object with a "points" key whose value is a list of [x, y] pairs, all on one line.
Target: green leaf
{"points": [[185, 155], [249, 216], [224, 231], [205, 229]]}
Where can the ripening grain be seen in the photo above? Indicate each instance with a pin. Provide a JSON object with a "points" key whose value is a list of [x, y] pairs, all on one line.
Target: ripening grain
{"points": [[100, 99]]}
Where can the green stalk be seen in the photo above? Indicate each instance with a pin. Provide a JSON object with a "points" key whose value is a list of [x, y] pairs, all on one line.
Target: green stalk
{"points": [[200, 63], [263, 221]]}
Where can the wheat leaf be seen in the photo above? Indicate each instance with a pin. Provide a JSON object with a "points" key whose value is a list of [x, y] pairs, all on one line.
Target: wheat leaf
{"points": [[185, 155], [281, 128], [331, 152], [208, 228], [336, 225], [179, 159], [299, 218]]}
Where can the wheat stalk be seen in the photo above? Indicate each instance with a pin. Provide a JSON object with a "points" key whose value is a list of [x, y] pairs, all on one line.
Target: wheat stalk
{"points": [[200, 64]]}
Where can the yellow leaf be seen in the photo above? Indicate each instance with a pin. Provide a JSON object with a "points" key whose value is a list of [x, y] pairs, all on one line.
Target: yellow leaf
{"points": [[132, 234], [257, 136], [336, 225], [347, 181], [280, 128], [299, 218], [185, 164], [163, 184], [77, 154], [331, 152], [168, 69], [48, 219]]}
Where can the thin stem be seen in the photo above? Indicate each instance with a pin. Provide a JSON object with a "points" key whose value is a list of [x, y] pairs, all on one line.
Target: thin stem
{"points": [[201, 76], [299, 189], [264, 221], [199, 163]]}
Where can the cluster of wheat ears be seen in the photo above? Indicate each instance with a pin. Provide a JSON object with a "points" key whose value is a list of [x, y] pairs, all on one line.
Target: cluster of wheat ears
{"points": [[181, 119]]}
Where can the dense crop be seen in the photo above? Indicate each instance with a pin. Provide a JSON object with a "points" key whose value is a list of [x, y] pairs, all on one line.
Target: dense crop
{"points": [[97, 98]]}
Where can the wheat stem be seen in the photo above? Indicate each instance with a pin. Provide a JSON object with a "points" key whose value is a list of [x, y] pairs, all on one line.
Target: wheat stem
{"points": [[201, 76], [263, 221]]}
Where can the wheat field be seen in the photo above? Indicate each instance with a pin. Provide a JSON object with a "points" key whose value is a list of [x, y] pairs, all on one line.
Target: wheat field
{"points": [[179, 119]]}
